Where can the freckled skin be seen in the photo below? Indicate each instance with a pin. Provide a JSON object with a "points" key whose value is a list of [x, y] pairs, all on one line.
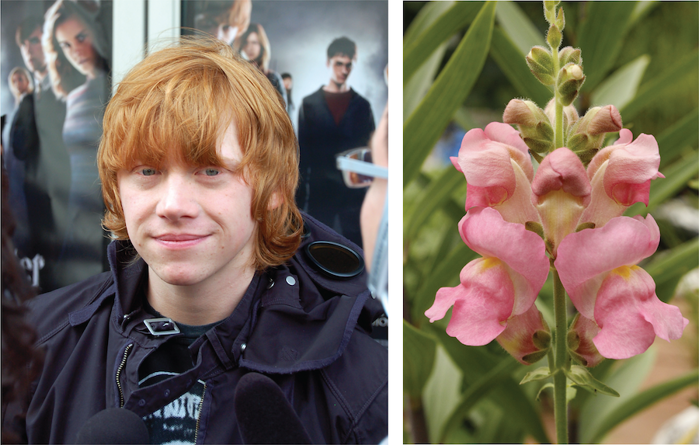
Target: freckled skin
{"points": [[193, 226]]}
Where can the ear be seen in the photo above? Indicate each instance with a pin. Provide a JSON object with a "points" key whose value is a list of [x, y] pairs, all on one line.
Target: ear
{"points": [[274, 201]]}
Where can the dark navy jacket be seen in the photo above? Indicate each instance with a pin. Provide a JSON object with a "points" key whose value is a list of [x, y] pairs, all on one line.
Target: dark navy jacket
{"points": [[322, 191], [309, 337]]}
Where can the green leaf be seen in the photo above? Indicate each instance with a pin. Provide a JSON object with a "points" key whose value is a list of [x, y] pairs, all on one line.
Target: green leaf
{"points": [[537, 374], [441, 393], [601, 36], [475, 392], [427, 122], [641, 10], [428, 14], [642, 401], [414, 90], [619, 88], [669, 267], [682, 134], [541, 390], [475, 362], [431, 199], [626, 378], [458, 16], [518, 26], [582, 378], [656, 88], [514, 66], [418, 359]]}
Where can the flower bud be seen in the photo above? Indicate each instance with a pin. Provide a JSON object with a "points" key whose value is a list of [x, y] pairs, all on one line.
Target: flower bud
{"points": [[540, 62], [534, 125], [587, 134], [569, 55], [570, 114], [527, 337], [554, 36], [570, 79], [561, 19], [580, 344]]}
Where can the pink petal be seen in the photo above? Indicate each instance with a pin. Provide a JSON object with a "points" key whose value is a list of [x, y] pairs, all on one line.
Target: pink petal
{"points": [[498, 170], [482, 302], [630, 315], [524, 252], [562, 170], [505, 134], [560, 191], [620, 175], [517, 337], [585, 258]]}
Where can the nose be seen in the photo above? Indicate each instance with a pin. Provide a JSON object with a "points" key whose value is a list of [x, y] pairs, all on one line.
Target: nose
{"points": [[178, 198]]}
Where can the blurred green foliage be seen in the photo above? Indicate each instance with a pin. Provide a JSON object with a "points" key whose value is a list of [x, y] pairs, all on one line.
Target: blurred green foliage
{"points": [[469, 394]]}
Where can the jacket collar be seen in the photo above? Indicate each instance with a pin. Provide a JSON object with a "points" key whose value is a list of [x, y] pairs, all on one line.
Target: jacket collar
{"points": [[301, 318]]}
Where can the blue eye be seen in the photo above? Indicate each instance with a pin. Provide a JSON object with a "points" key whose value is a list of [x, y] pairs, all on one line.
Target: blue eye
{"points": [[148, 171], [211, 172]]}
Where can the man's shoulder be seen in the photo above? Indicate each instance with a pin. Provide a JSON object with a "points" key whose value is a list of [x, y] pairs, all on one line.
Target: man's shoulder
{"points": [[314, 97], [53, 309]]}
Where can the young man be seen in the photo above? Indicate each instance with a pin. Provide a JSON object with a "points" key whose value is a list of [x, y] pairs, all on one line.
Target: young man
{"points": [[333, 119], [212, 274]]}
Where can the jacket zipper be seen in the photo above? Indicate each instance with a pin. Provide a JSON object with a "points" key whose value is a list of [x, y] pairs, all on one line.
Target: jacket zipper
{"points": [[118, 374], [201, 405]]}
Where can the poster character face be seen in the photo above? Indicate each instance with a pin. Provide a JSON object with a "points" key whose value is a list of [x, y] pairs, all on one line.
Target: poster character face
{"points": [[340, 67], [252, 47], [20, 82], [32, 52], [191, 224], [76, 41]]}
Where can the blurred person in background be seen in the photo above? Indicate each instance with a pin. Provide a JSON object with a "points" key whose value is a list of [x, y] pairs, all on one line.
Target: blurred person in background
{"points": [[77, 59], [255, 47], [332, 120]]}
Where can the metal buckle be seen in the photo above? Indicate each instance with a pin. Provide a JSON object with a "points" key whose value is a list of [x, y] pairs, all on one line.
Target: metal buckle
{"points": [[161, 326]]}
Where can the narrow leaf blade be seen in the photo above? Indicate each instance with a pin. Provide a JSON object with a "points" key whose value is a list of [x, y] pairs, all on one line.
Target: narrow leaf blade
{"points": [[426, 124]]}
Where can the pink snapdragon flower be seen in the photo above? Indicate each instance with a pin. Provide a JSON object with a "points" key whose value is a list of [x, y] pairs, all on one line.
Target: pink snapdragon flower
{"points": [[598, 269], [498, 172], [497, 288], [560, 192], [620, 176]]}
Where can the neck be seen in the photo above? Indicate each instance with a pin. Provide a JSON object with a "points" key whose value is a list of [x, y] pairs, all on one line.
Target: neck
{"points": [[334, 87], [201, 303], [40, 74]]}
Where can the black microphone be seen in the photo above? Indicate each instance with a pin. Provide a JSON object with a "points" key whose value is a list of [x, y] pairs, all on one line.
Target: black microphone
{"points": [[114, 425], [264, 415]]}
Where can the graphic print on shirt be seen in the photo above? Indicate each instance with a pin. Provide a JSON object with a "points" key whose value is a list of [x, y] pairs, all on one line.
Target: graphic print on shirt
{"points": [[176, 422]]}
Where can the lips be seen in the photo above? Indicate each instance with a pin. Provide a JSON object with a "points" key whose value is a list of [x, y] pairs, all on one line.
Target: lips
{"points": [[179, 238]]}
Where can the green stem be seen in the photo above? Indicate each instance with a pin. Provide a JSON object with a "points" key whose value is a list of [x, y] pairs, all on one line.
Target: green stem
{"points": [[560, 403], [558, 129]]}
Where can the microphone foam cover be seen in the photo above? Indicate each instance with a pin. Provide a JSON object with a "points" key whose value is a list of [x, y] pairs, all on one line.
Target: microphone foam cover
{"points": [[114, 425], [264, 415]]}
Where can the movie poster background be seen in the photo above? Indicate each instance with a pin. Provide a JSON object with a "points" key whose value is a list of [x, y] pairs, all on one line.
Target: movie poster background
{"points": [[54, 187], [299, 33]]}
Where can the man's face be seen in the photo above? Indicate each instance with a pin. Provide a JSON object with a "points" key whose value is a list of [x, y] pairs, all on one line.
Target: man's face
{"points": [[192, 225], [32, 52], [340, 67]]}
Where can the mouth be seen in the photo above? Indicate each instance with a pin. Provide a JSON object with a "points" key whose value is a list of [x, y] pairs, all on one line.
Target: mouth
{"points": [[179, 240]]}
